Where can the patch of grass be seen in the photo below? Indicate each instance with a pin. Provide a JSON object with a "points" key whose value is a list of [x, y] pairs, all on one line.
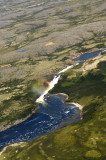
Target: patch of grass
{"points": [[19, 105], [103, 52]]}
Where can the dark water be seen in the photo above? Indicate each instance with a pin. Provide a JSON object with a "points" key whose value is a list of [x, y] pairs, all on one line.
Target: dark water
{"points": [[47, 119], [21, 51], [9, 39], [88, 55]]}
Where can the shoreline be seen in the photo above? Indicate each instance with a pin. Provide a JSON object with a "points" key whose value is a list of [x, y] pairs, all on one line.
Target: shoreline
{"points": [[11, 145], [19, 121], [77, 104], [66, 98], [22, 120], [74, 57], [76, 117], [68, 121]]}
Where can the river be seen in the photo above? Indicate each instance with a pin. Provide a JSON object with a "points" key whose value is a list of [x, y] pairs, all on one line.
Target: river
{"points": [[52, 113]]}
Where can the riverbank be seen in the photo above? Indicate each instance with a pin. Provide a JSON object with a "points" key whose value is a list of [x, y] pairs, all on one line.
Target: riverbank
{"points": [[88, 52], [12, 145], [80, 136], [76, 117], [19, 121], [70, 111], [52, 85]]}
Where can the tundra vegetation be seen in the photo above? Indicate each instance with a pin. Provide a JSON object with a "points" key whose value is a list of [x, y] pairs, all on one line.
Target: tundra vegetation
{"points": [[84, 140], [39, 38]]}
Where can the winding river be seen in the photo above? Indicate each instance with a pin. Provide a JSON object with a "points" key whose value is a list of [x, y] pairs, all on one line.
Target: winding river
{"points": [[53, 113]]}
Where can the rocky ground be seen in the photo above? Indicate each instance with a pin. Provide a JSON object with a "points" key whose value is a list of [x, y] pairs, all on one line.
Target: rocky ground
{"points": [[84, 140], [37, 39]]}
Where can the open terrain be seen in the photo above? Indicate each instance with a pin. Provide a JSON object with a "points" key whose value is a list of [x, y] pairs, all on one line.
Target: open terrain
{"points": [[84, 140], [37, 39]]}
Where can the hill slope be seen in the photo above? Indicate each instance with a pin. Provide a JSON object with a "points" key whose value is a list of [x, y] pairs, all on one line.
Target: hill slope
{"points": [[39, 38], [84, 140]]}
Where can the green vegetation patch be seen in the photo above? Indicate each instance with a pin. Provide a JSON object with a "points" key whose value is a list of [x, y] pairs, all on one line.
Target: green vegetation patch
{"points": [[93, 154], [17, 106], [82, 141]]}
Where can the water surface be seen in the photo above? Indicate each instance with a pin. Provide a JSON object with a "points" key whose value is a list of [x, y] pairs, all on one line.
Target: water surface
{"points": [[49, 116], [88, 55]]}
